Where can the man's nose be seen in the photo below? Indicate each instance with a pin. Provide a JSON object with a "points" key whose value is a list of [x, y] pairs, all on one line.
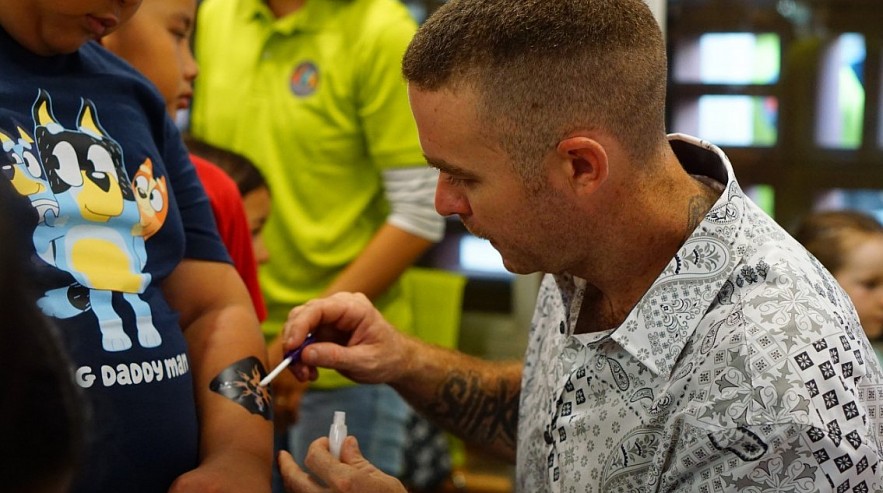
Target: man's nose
{"points": [[449, 200]]}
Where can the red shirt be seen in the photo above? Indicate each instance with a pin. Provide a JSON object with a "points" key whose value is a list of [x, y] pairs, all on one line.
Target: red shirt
{"points": [[232, 226]]}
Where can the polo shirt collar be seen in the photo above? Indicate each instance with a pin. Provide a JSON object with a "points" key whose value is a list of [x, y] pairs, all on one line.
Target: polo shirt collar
{"points": [[301, 20]]}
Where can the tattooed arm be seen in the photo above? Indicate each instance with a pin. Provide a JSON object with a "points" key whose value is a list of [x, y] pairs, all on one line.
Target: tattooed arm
{"points": [[474, 399], [227, 357]]}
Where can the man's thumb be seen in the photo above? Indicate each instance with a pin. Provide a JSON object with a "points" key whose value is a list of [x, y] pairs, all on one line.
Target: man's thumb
{"points": [[349, 451]]}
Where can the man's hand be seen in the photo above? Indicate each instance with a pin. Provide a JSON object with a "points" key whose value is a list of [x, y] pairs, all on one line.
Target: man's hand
{"points": [[473, 398], [352, 473], [352, 337]]}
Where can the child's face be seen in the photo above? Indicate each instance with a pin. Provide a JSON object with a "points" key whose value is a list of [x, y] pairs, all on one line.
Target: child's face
{"points": [[861, 276], [53, 27], [257, 210], [157, 43]]}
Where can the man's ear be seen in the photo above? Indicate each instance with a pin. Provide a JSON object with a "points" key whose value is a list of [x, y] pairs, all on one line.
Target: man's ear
{"points": [[585, 162]]}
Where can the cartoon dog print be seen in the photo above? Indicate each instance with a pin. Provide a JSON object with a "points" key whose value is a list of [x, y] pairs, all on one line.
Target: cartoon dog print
{"points": [[92, 239]]}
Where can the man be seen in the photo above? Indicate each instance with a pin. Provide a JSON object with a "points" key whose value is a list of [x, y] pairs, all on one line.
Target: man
{"points": [[682, 341]]}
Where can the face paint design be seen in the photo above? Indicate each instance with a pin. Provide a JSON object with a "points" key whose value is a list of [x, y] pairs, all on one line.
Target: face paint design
{"points": [[240, 382]]}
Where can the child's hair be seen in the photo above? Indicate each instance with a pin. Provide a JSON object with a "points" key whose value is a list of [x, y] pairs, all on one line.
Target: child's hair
{"points": [[42, 412], [825, 234], [238, 167]]}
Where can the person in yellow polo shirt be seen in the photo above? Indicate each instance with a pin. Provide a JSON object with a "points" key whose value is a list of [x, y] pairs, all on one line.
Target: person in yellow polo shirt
{"points": [[311, 91]]}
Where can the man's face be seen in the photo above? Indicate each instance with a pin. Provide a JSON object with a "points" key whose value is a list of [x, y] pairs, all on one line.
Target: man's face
{"points": [[478, 182], [52, 27]]}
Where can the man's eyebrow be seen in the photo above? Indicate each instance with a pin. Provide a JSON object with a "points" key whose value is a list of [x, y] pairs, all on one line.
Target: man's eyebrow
{"points": [[447, 167]]}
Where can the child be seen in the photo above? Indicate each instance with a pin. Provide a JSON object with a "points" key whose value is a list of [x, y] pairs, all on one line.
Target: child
{"points": [[850, 245], [157, 43], [232, 217], [249, 181], [130, 268], [42, 413]]}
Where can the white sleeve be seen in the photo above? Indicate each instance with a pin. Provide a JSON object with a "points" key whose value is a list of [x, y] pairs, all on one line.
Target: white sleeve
{"points": [[411, 195]]}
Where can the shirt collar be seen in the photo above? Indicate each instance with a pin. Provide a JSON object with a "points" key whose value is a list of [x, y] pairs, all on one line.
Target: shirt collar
{"points": [[301, 20], [662, 322]]}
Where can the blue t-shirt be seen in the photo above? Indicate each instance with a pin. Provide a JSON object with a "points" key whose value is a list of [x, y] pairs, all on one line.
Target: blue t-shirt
{"points": [[117, 207]]}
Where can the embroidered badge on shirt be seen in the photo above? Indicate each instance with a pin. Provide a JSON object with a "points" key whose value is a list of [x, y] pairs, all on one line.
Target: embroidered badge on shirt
{"points": [[304, 79]]}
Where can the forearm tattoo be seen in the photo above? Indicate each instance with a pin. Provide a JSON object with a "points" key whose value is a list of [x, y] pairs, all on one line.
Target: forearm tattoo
{"points": [[485, 413], [240, 382]]}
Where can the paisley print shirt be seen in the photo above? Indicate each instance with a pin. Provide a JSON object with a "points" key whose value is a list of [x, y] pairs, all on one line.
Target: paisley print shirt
{"points": [[743, 368]]}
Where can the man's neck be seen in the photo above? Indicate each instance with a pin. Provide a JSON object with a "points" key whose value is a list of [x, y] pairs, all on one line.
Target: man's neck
{"points": [[281, 8], [642, 244]]}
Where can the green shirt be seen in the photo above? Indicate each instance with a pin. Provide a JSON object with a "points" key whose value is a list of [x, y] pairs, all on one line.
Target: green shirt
{"points": [[317, 101]]}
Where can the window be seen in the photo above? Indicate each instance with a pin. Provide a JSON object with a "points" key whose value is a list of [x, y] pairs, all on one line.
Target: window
{"points": [[790, 89], [726, 87], [841, 93]]}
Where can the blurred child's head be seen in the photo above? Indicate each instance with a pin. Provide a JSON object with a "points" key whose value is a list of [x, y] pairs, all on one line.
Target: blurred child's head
{"points": [[156, 41], [850, 245], [257, 210], [43, 413], [54, 27], [251, 183]]}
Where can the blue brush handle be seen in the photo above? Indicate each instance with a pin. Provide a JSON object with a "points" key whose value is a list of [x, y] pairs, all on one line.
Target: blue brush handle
{"points": [[294, 354]]}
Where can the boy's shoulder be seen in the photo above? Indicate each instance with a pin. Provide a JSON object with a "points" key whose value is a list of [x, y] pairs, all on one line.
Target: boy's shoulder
{"points": [[19, 64], [99, 59]]}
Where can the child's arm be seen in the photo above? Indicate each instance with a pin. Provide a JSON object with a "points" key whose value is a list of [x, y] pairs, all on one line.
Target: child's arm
{"points": [[227, 357]]}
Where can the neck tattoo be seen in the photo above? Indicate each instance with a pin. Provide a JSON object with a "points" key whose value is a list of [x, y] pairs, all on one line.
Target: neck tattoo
{"points": [[701, 203]]}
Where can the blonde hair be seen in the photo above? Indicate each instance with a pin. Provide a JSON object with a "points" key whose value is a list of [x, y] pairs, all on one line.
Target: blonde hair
{"points": [[826, 234]]}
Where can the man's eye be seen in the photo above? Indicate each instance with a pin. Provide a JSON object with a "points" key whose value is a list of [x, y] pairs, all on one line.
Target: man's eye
{"points": [[453, 180]]}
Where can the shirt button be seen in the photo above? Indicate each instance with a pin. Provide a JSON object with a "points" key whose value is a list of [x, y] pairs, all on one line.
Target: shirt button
{"points": [[547, 436]]}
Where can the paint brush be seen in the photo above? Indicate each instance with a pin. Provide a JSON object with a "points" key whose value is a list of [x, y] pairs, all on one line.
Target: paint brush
{"points": [[290, 357]]}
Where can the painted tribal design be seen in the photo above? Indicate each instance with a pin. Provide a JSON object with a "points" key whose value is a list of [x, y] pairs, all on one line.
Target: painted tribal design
{"points": [[240, 382]]}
